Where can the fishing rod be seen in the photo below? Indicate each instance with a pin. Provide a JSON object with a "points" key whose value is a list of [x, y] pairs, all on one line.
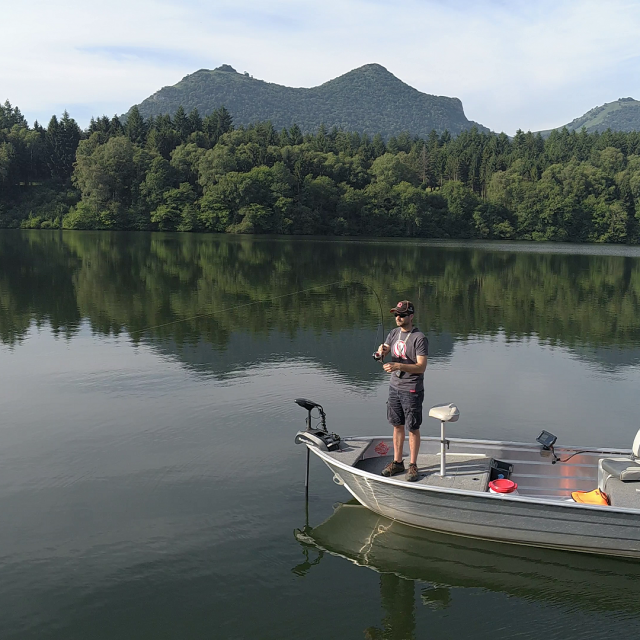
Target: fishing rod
{"points": [[377, 356]]}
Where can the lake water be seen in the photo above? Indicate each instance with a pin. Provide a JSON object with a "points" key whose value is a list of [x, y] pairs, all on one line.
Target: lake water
{"points": [[150, 487]]}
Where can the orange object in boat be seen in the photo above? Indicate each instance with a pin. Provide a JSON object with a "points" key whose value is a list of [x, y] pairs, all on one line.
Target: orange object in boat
{"points": [[590, 497]]}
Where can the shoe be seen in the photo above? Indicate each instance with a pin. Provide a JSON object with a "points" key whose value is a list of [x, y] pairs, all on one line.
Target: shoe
{"points": [[412, 474], [393, 468]]}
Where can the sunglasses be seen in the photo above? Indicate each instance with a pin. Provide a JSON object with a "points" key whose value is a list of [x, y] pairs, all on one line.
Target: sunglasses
{"points": [[401, 315]]}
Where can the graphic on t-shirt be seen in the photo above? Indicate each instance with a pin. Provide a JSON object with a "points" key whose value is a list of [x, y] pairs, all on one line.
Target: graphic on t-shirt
{"points": [[400, 349]]}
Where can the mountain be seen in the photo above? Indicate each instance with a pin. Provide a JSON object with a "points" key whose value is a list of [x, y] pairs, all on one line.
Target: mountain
{"points": [[368, 99], [621, 115]]}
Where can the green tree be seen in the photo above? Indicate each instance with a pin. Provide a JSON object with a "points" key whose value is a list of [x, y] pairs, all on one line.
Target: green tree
{"points": [[159, 179], [106, 176], [62, 138], [136, 127], [177, 211], [393, 169], [461, 205]]}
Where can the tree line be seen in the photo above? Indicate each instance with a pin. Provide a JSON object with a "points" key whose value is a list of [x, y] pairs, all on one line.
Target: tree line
{"points": [[189, 173]]}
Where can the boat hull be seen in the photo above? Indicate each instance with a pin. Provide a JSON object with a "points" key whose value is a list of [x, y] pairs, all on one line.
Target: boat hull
{"points": [[511, 519]]}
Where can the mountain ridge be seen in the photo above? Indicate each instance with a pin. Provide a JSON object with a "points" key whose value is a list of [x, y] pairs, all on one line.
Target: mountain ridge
{"points": [[622, 114], [368, 99]]}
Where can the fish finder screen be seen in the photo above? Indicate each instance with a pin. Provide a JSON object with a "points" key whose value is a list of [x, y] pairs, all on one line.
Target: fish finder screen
{"points": [[546, 439]]}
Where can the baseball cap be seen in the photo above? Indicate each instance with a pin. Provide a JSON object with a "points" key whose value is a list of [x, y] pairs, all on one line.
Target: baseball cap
{"points": [[404, 306]]}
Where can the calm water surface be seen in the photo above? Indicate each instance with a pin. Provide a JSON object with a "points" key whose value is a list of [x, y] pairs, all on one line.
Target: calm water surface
{"points": [[149, 483]]}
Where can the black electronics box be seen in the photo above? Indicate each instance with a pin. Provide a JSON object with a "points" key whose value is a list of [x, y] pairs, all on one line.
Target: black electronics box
{"points": [[500, 469]]}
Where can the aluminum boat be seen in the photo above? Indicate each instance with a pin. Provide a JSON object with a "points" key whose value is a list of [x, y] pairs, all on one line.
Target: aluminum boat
{"points": [[452, 493]]}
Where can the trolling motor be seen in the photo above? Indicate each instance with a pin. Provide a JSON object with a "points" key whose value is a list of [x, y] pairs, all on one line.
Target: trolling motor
{"points": [[316, 436]]}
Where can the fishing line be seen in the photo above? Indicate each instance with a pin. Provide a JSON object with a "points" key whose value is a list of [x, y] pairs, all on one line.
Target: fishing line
{"points": [[248, 304]]}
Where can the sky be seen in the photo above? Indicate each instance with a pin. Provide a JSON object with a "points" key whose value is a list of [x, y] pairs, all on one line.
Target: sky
{"points": [[515, 64]]}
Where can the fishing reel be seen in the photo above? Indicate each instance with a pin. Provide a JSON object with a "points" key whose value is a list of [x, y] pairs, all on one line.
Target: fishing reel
{"points": [[377, 356]]}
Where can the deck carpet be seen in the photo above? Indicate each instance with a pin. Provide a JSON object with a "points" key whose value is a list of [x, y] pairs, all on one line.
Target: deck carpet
{"points": [[470, 473]]}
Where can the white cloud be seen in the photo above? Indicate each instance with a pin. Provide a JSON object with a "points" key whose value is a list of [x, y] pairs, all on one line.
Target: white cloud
{"points": [[516, 64]]}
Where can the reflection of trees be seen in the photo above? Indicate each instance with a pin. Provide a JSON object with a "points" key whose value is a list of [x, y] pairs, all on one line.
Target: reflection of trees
{"points": [[131, 282], [36, 284]]}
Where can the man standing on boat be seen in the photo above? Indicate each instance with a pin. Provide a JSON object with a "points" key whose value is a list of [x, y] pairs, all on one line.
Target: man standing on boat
{"points": [[409, 349]]}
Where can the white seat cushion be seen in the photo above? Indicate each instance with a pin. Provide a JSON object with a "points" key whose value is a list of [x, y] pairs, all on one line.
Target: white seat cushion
{"points": [[447, 412]]}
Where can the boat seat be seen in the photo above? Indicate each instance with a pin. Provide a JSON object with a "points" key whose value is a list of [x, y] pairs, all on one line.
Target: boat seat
{"points": [[623, 469], [445, 412], [625, 495]]}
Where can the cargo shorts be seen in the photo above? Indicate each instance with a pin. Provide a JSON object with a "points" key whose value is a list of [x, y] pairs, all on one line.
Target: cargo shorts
{"points": [[405, 408]]}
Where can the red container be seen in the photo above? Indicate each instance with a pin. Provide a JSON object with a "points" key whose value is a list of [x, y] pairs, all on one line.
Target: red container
{"points": [[502, 486]]}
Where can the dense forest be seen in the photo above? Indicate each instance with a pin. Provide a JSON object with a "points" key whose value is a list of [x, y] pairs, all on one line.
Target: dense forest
{"points": [[189, 173]]}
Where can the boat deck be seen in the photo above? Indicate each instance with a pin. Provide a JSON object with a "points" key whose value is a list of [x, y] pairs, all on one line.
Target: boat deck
{"points": [[469, 472], [468, 466]]}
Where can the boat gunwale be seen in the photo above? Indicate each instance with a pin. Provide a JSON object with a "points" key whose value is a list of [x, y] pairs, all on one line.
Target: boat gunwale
{"points": [[508, 443], [326, 457]]}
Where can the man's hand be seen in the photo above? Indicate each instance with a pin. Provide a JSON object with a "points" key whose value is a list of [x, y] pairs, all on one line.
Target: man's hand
{"points": [[384, 349], [418, 368]]}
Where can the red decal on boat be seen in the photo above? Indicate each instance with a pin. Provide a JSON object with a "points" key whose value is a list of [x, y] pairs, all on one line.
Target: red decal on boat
{"points": [[382, 448]]}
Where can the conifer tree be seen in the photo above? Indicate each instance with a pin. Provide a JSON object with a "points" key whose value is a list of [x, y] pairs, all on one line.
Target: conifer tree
{"points": [[295, 134], [195, 121], [181, 124], [136, 129]]}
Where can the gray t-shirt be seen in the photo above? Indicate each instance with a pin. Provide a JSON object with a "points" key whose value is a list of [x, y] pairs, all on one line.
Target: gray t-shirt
{"points": [[405, 347]]}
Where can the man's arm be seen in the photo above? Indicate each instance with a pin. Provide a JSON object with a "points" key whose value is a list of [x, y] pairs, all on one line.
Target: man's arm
{"points": [[419, 367]]}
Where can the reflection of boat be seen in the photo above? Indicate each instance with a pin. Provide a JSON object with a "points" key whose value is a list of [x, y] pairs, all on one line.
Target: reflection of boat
{"points": [[587, 582], [453, 497]]}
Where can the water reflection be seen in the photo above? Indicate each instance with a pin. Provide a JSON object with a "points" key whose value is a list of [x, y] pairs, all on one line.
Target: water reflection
{"points": [[412, 560], [148, 458], [397, 598], [172, 290], [134, 282]]}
